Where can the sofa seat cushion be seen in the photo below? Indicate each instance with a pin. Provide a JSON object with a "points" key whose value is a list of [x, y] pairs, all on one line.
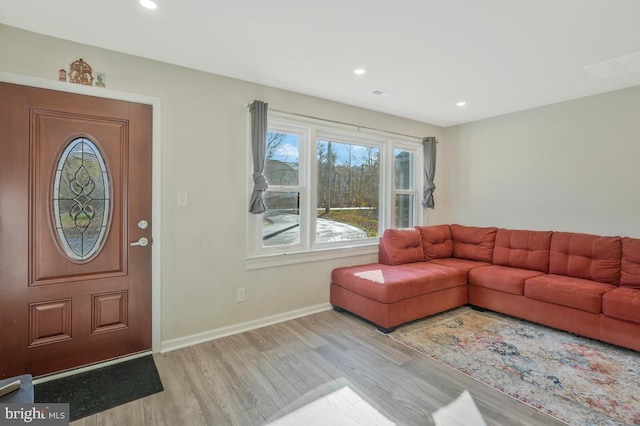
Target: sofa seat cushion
{"points": [[501, 278], [622, 303], [567, 291], [388, 284], [460, 264]]}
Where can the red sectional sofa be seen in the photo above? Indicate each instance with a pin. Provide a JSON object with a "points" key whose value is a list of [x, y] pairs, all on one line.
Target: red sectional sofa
{"points": [[585, 284]]}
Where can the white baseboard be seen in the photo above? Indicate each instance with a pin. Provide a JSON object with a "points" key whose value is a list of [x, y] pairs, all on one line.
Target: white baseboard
{"points": [[194, 339]]}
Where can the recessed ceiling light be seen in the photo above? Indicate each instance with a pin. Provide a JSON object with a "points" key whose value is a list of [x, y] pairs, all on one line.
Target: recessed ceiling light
{"points": [[461, 103], [149, 4], [359, 71]]}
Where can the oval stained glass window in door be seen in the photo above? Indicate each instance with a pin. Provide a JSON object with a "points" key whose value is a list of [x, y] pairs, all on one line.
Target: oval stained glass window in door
{"points": [[81, 199]]}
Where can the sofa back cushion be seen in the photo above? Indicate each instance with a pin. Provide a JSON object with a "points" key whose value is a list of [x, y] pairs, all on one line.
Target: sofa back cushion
{"points": [[399, 246], [522, 249], [473, 243], [630, 268], [436, 241], [591, 257]]}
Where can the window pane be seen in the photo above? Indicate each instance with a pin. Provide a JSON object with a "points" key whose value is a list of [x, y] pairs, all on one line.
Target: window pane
{"points": [[348, 191], [281, 221], [404, 210], [282, 159], [404, 169]]}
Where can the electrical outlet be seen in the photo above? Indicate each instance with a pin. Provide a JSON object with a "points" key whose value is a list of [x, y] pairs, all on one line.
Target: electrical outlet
{"points": [[241, 294], [183, 199]]}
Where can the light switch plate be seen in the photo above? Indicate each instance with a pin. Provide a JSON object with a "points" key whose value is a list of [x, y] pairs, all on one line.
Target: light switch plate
{"points": [[241, 294], [183, 199]]}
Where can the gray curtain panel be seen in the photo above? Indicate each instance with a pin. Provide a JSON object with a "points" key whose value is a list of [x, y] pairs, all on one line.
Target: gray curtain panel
{"points": [[429, 151], [259, 147]]}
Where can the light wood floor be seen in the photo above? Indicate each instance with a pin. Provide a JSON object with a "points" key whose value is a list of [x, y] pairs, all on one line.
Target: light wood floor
{"points": [[256, 377]]}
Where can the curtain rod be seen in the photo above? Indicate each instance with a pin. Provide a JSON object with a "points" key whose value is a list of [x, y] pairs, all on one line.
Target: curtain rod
{"points": [[343, 123]]}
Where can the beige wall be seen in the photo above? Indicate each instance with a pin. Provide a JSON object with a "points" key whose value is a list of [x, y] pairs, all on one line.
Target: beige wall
{"points": [[205, 151], [572, 166]]}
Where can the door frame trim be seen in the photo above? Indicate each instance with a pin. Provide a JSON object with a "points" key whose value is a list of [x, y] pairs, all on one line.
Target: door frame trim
{"points": [[156, 271]]}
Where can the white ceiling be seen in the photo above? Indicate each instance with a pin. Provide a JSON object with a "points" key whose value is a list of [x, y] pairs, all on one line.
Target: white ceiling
{"points": [[498, 55]]}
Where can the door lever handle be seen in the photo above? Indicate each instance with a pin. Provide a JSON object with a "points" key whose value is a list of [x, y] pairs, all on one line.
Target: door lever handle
{"points": [[143, 242]]}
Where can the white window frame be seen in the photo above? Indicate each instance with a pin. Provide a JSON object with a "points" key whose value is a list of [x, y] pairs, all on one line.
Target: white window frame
{"points": [[353, 138], [304, 179], [309, 131], [416, 191]]}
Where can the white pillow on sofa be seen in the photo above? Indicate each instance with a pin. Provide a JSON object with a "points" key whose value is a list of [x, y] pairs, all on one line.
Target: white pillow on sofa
{"points": [[461, 412]]}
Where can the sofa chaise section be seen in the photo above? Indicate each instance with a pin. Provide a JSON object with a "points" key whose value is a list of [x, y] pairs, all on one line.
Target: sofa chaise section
{"points": [[392, 295], [414, 278]]}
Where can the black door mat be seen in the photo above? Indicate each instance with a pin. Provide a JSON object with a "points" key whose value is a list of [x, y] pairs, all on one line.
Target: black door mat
{"points": [[107, 387]]}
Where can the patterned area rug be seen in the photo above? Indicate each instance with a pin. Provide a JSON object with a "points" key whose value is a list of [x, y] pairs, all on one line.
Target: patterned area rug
{"points": [[577, 380]]}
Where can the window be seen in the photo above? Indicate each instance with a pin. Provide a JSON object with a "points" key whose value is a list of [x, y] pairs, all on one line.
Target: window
{"points": [[80, 199], [405, 189], [282, 222], [332, 187], [348, 191]]}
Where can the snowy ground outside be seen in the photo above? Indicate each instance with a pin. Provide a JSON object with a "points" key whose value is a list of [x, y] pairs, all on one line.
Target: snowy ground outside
{"points": [[287, 225]]}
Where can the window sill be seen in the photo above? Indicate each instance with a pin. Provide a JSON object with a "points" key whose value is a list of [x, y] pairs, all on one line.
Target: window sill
{"points": [[281, 259]]}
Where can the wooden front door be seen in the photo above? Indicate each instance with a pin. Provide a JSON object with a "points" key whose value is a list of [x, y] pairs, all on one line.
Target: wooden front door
{"points": [[75, 193]]}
